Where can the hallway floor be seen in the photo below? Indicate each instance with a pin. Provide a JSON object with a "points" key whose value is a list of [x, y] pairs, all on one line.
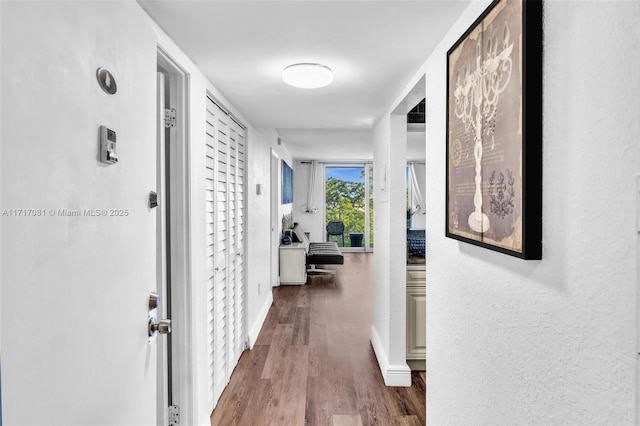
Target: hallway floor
{"points": [[313, 363]]}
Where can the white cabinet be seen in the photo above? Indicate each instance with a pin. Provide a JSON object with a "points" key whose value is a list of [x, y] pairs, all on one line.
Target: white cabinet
{"points": [[293, 263], [416, 317]]}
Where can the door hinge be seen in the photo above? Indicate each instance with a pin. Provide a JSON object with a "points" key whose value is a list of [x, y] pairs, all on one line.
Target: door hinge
{"points": [[174, 415], [170, 117]]}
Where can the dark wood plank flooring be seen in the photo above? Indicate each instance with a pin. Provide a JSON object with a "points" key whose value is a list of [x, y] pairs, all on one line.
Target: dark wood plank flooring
{"points": [[313, 363]]}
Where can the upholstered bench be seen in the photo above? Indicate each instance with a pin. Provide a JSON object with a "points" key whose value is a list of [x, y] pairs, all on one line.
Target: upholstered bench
{"points": [[319, 253], [324, 254]]}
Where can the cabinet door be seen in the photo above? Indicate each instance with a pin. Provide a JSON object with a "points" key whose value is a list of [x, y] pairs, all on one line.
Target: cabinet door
{"points": [[293, 269], [416, 323]]}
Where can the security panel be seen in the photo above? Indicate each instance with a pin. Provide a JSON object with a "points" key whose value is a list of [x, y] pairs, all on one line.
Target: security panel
{"points": [[108, 154]]}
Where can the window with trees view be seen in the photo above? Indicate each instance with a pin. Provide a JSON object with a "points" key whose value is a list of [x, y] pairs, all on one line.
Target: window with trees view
{"points": [[348, 201]]}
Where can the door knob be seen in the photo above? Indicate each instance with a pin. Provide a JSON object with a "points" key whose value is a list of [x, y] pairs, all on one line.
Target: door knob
{"points": [[162, 326]]}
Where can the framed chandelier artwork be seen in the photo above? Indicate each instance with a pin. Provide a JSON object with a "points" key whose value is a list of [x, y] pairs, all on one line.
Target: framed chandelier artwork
{"points": [[494, 131]]}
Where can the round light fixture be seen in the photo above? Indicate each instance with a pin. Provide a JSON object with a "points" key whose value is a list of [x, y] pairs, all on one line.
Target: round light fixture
{"points": [[307, 76]]}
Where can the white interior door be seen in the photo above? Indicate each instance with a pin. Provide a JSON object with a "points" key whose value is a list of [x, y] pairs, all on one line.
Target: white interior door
{"points": [[76, 279], [225, 154]]}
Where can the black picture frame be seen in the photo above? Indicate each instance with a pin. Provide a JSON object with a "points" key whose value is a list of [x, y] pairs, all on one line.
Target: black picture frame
{"points": [[287, 183], [494, 136]]}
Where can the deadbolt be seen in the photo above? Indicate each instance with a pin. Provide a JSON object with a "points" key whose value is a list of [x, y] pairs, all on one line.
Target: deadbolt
{"points": [[154, 300]]}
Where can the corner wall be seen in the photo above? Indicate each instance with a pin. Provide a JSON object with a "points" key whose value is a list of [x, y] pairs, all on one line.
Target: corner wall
{"points": [[551, 341], [388, 332]]}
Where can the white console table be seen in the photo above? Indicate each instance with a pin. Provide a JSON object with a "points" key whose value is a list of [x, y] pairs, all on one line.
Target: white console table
{"points": [[293, 263]]}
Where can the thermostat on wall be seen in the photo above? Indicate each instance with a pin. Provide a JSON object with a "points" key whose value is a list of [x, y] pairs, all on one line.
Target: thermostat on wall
{"points": [[108, 154]]}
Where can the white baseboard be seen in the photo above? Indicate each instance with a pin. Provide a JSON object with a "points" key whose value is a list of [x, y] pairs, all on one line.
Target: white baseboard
{"points": [[254, 330], [394, 375]]}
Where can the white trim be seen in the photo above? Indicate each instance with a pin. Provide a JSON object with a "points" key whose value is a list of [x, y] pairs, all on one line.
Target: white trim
{"points": [[394, 375], [183, 316], [275, 220], [262, 316]]}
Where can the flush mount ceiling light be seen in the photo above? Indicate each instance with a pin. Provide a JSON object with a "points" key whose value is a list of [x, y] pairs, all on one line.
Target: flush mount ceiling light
{"points": [[307, 76]]}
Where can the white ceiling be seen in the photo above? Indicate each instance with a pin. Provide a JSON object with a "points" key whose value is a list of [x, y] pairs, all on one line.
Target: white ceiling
{"points": [[373, 47]]}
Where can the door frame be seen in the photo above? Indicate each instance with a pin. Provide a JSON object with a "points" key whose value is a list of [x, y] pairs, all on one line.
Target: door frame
{"points": [[275, 220], [183, 351]]}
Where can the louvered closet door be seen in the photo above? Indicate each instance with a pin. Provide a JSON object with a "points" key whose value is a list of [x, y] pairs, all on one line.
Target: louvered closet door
{"points": [[225, 264], [236, 240], [210, 188], [231, 207]]}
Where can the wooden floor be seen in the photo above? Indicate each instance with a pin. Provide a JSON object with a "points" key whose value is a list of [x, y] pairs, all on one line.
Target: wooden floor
{"points": [[313, 364]]}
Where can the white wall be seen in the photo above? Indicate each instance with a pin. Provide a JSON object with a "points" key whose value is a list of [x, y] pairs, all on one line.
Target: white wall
{"points": [[311, 222], [261, 142], [283, 154], [551, 341], [75, 289], [258, 229], [388, 332], [415, 145]]}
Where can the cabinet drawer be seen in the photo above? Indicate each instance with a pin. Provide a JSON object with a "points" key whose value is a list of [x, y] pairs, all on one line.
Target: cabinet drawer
{"points": [[416, 275]]}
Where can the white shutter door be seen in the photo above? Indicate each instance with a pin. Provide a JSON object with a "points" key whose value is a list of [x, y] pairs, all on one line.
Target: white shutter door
{"points": [[210, 187], [225, 153], [231, 276], [221, 255], [217, 177], [238, 133]]}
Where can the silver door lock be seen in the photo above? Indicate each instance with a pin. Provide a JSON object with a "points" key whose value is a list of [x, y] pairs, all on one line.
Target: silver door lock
{"points": [[156, 326]]}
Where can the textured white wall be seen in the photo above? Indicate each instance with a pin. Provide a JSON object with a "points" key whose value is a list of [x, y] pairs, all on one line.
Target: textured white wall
{"points": [[551, 341]]}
